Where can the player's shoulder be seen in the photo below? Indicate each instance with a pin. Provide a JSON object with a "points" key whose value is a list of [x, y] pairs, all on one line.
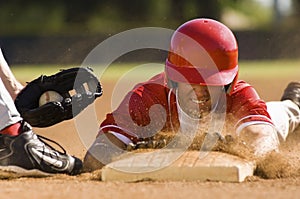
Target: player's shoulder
{"points": [[157, 82], [242, 88], [241, 85], [158, 77]]}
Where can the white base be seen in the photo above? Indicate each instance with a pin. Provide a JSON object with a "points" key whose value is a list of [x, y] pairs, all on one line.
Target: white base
{"points": [[189, 166]]}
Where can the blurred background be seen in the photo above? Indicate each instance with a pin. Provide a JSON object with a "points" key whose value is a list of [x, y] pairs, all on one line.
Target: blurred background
{"points": [[64, 32]]}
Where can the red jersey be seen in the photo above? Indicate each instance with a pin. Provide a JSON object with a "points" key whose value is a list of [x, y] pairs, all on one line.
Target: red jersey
{"points": [[151, 107]]}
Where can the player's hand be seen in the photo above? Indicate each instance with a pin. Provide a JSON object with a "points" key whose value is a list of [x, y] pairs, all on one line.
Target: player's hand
{"points": [[261, 138]]}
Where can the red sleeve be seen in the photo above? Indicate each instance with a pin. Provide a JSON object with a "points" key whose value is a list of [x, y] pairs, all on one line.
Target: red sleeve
{"points": [[142, 113], [246, 106]]}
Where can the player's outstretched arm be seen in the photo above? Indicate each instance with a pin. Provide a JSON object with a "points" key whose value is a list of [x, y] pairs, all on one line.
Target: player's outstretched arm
{"points": [[10, 82], [105, 148], [262, 138]]}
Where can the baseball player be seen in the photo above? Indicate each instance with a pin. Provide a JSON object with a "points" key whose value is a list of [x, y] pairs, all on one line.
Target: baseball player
{"points": [[200, 80], [21, 150]]}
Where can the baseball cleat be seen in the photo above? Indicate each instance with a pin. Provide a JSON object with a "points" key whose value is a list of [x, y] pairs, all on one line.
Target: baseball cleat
{"points": [[292, 92], [27, 155]]}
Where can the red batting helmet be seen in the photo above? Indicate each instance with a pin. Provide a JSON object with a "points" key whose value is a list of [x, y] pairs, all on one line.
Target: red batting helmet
{"points": [[203, 51]]}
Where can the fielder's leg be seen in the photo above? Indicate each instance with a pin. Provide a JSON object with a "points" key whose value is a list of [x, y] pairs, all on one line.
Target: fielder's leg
{"points": [[22, 151], [8, 112]]}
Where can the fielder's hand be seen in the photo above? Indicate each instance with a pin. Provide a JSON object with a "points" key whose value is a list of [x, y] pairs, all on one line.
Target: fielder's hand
{"points": [[78, 87]]}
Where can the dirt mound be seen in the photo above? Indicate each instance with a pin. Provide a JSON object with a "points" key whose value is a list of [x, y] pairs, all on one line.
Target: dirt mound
{"points": [[282, 164]]}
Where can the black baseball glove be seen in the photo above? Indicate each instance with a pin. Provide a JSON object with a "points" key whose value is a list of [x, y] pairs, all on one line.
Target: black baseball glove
{"points": [[79, 87]]}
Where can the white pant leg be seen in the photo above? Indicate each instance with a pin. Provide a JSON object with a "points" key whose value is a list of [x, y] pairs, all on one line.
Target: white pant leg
{"points": [[8, 112], [285, 115]]}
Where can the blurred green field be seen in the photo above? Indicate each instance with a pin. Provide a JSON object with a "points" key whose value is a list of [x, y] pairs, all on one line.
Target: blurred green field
{"points": [[248, 70]]}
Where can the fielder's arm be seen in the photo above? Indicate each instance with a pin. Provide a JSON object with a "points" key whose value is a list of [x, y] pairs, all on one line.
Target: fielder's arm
{"points": [[10, 82]]}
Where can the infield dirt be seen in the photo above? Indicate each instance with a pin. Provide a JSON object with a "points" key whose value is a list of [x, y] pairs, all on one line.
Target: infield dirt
{"points": [[277, 175]]}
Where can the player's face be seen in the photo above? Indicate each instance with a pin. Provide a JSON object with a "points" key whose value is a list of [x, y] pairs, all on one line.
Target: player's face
{"points": [[197, 100]]}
